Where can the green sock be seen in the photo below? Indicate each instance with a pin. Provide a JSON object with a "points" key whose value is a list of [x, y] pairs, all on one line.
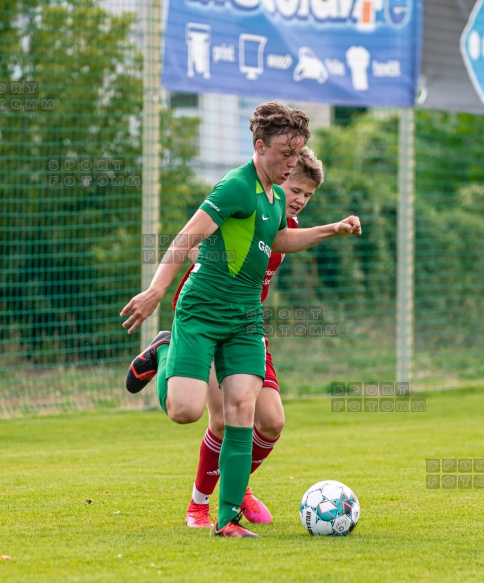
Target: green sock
{"points": [[161, 384], [234, 463]]}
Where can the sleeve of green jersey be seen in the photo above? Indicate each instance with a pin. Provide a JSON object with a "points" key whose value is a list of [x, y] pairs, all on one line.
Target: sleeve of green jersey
{"points": [[281, 196], [227, 199], [283, 223]]}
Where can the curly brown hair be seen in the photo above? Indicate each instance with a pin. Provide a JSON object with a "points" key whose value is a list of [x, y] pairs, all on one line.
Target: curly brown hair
{"points": [[275, 119]]}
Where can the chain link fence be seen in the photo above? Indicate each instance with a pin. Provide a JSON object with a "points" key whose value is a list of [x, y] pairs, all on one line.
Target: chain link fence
{"points": [[90, 195]]}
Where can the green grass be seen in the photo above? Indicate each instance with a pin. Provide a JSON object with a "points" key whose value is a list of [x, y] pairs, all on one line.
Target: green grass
{"points": [[137, 469]]}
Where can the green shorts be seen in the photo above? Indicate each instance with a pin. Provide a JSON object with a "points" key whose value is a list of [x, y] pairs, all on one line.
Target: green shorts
{"points": [[206, 329]]}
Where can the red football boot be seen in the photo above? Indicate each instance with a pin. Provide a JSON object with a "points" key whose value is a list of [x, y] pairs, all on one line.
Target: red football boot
{"points": [[198, 516]]}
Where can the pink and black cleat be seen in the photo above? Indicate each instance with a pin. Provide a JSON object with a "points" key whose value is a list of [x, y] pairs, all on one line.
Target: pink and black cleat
{"points": [[254, 510]]}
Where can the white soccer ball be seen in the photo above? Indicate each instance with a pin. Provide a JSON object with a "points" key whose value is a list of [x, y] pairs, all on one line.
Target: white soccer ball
{"points": [[329, 508]]}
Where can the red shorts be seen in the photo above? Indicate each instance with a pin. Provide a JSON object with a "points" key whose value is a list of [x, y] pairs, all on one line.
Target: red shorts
{"points": [[271, 377]]}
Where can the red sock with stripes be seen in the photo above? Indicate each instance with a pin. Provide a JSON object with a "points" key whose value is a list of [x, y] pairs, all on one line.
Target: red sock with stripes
{"points": [[261, 448], [208, 471]]}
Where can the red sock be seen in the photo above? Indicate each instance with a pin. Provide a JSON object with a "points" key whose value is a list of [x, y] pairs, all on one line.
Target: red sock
{"points": [[261, 448], [208, 471]]}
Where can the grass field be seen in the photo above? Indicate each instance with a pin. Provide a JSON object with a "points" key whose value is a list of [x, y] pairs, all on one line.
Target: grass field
{"points": [[101, 497]]}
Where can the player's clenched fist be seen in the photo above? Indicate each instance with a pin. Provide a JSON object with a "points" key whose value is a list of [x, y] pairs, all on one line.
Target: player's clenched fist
{"points": [[349, 226]]}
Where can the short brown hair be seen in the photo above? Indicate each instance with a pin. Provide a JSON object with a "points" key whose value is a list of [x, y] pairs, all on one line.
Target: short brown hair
{"points": [[309, 166], [274, 119]]}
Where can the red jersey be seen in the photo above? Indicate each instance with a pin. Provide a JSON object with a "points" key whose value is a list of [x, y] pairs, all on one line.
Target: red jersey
{"points": [[274, 262]]}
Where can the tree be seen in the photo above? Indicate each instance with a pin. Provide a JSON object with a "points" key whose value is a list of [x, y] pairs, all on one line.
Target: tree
{"points": [[360, 178], [356, 277], [71, 190]]}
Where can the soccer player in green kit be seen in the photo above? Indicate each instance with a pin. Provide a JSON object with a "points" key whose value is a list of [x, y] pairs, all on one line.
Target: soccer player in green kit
{"points": [[219, 314]]}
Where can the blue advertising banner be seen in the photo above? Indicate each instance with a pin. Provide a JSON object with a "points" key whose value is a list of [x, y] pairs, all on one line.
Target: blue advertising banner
{"points": [[343, 52]]}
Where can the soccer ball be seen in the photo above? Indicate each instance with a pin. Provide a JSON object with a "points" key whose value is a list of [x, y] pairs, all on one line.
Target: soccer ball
{"points": [[329, 508]]}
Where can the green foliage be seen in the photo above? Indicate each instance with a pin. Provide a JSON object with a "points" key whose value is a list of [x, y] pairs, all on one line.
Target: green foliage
{"points": [[71, 239], [355, 278], [449, 234], [70, 251]]}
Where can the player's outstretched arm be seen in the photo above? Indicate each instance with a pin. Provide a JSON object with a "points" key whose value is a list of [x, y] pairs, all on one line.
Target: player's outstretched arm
{"points": [[294, 240], [200, 226], [193, 253]]}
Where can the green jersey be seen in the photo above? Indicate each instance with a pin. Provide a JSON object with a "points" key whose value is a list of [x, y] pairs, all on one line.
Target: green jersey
{"points": [[233, 261]]}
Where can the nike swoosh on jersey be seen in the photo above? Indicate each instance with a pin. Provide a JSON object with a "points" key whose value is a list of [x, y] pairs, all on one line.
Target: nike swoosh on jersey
{"points": [[265, 218]]}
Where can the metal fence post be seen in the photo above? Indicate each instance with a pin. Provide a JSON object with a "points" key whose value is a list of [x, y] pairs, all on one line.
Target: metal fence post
{"points": [[405, 246], [150, 222]]}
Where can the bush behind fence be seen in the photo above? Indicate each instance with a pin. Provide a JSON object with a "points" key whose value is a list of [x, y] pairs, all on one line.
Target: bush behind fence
{"points": [[71, 236]]}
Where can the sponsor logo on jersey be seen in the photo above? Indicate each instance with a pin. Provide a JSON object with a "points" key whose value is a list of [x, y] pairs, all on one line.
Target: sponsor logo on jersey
{"points": [[265, 248]]}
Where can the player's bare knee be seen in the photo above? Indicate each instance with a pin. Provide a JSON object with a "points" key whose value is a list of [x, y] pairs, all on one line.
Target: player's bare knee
{"points": [[182, 417], [240, 414], [183, 413], [271, 428], [186, 400]]}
